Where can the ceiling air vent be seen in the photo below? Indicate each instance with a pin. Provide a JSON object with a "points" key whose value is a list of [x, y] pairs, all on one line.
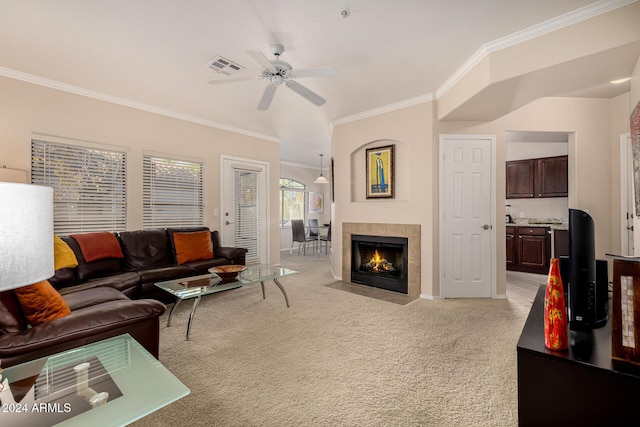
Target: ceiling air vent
{"points": [[224, 66]]}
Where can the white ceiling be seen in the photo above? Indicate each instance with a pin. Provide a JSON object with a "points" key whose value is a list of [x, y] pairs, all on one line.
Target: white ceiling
{"points": [[151, 53]]}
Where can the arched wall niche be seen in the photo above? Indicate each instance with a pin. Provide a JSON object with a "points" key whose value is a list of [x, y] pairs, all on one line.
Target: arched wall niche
{"points": [[358, 172]]}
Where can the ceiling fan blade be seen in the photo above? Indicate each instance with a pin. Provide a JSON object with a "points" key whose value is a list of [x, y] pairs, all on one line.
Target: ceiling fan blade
{"points": [[237, 78], [261, 59], [314, 72], [267, 96], [305, 93]]}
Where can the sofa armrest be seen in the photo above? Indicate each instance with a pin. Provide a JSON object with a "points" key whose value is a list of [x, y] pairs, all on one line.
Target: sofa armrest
{"points": [[83, 326], [236, 255]]}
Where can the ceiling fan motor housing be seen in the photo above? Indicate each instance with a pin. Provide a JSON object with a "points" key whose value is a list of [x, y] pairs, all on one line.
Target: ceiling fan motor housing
{"points": [[277, 49]]}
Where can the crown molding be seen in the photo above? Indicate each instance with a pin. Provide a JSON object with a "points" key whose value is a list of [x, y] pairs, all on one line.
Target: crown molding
{"points": [[65, 87], [381, 110], [553, 24], [298, 165]]}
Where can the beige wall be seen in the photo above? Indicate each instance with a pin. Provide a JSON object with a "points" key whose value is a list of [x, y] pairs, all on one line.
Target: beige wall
{"points": [[27, 108], [589, 122], [411, 130], [592, 167]]}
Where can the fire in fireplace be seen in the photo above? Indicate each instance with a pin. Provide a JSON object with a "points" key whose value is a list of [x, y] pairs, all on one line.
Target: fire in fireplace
{"points": [[380, 262]]}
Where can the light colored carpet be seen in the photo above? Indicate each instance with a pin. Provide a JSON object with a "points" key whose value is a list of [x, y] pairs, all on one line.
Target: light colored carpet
{"points": [[337, 358]]}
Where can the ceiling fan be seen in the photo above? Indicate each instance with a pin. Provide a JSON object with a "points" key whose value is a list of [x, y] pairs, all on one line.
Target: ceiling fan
{"points": [[278, 72]]}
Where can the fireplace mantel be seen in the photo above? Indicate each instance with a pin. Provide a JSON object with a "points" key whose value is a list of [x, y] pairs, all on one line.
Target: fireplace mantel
{"points": [[410, 231]]}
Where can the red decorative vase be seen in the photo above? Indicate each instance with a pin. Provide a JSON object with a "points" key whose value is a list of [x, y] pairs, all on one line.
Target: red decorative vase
{"points": [[555, 313]]}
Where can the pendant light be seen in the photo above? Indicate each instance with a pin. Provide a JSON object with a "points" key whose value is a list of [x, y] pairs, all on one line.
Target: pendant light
{"points": [[321, 179]]}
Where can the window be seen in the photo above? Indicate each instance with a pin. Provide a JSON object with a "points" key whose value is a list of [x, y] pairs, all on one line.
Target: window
{"points": [[172, 193], [291, 201], [88, 185]]}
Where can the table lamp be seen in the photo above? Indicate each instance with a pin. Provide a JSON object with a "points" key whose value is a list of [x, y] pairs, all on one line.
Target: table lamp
{"points": [[26, 236]]}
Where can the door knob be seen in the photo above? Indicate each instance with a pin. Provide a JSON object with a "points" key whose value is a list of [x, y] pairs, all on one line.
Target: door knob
{"points": [[228, 222], [486, 226]]}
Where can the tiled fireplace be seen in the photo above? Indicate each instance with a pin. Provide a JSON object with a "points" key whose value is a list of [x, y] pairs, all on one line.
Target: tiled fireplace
{"points": [[397, 258], [380, 262]]}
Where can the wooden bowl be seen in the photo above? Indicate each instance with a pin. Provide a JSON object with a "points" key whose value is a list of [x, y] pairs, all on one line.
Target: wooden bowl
{"points": [[228, 272]]}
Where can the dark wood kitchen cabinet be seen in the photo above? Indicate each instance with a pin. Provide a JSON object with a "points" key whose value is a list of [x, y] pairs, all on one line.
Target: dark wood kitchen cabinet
{"points": [[520, 175], [511, 245], [543, 177], [528, 249]]}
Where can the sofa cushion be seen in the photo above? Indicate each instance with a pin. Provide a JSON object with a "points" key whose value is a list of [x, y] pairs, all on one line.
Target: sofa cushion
{"points": [[145, 248], [63, 256], [202, 266], [125, 282], [11, 317], [41, 303], [96, 246], [160, 274], [193, 246], [87, 270], [93, 296]]}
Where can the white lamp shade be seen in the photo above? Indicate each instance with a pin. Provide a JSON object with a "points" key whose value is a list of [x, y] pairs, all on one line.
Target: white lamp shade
{"points": [[321, 180], [26, 234]]}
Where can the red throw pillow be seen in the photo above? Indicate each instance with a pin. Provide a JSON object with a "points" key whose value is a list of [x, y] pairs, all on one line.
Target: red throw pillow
{"points": [[100, 245], [41, 303], [192, 246]]}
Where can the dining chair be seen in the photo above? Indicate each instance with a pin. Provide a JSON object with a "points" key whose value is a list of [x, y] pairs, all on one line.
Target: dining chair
{"points": [[326, 239], [297, 234], [314, 233]]}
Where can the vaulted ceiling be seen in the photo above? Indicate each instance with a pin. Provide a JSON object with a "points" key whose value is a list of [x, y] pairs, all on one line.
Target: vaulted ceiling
{"points": [[151, 54]]}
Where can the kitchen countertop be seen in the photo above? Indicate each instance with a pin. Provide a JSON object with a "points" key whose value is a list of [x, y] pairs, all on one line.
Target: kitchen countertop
{"points": [[552, 223]]}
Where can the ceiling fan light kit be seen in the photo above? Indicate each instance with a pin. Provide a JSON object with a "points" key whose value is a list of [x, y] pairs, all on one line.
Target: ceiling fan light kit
{"points": [[278, 72]]}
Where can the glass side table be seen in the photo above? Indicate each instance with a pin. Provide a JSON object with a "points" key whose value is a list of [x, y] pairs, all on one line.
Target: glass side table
{"points": [[109, 383]]}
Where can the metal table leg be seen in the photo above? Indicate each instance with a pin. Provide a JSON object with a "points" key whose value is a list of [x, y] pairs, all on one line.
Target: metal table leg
{"points": [[275, 280], [283, 291], [193, 312], [175, 304]]}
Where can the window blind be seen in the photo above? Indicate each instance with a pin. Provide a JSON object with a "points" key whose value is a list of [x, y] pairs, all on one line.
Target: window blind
{"points": [[249, 212], [172, 193], [89, 191]]}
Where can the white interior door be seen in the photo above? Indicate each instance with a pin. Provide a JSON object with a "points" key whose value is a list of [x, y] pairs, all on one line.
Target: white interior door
{"points": [[467, 204], [626, 195], [245, 207]]}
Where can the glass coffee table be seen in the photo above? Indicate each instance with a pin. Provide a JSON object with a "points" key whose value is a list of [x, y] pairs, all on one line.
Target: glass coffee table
{"points": [[112, 382], [198, 286]]}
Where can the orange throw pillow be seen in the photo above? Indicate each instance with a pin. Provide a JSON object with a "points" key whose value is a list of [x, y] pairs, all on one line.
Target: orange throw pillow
{"points": [[41, 303], [192, 246]]}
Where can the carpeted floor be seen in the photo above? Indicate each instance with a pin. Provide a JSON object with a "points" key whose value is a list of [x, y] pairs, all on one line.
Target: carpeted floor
{"points": [[343, 358]]}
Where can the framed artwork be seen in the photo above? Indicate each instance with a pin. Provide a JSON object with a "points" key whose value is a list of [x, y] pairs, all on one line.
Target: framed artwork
{"points": [[333, 197], [380, 172], [316, 202]]}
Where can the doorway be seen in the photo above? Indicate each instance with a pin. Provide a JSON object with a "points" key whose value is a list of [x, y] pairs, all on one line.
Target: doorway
{"points": [[467, 212], [626, 195], [245, 206]]}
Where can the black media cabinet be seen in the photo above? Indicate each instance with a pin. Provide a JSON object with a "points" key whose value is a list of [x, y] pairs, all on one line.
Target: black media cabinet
{"points": [[577, 387]]}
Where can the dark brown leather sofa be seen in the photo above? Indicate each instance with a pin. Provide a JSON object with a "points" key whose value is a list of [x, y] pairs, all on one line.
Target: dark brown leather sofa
{"points": [[149, 257], [107, 297]]}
